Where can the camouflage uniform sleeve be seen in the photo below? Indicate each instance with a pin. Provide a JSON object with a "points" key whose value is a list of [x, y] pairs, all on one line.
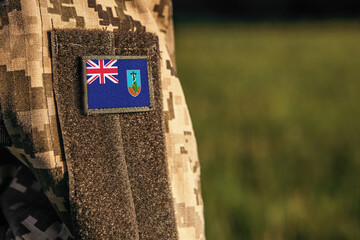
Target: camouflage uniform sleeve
{"points": [[162, 12], [46, 139]]}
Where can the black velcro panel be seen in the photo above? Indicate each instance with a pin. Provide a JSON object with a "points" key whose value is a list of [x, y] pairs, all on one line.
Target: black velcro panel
{"points": [[118, 174], [100, 195], [4, 136]]}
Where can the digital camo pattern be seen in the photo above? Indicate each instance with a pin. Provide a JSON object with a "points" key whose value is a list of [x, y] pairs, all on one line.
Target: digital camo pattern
{"points": [[26, 97], [28, 105], [28, 220]]}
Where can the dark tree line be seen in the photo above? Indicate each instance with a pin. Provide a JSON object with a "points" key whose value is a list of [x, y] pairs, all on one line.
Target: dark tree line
{"points": [[255, 9]]}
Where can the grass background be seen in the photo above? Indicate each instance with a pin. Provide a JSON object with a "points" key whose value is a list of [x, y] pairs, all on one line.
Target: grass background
{"points": [[276, 113]]}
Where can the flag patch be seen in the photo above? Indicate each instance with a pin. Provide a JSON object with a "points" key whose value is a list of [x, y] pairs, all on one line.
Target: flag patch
{"points": [[117, 84]]}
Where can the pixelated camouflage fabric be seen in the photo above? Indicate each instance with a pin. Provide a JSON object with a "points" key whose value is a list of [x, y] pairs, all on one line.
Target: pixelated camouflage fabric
{"points": [[28, 211]]}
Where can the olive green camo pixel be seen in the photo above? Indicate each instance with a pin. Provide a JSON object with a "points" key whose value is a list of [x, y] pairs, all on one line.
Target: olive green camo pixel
{"points": [[30, 114]]}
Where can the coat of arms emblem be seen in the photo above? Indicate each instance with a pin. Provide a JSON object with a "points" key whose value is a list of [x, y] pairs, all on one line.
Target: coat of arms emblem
{"points": [[134, 82]]}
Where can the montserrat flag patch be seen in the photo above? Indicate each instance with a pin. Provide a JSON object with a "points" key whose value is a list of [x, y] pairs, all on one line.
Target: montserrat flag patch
{"points": [[114, 84]]}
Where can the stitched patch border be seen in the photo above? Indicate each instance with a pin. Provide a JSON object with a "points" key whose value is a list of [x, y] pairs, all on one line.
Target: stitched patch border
{"points": [[89, 111]]}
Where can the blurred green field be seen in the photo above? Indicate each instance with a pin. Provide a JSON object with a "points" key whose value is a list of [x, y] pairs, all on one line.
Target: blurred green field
{"points": [[276, 113]]}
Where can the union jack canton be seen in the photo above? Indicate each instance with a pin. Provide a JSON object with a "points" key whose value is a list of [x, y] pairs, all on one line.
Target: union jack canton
{"points": [[101, 69]]}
